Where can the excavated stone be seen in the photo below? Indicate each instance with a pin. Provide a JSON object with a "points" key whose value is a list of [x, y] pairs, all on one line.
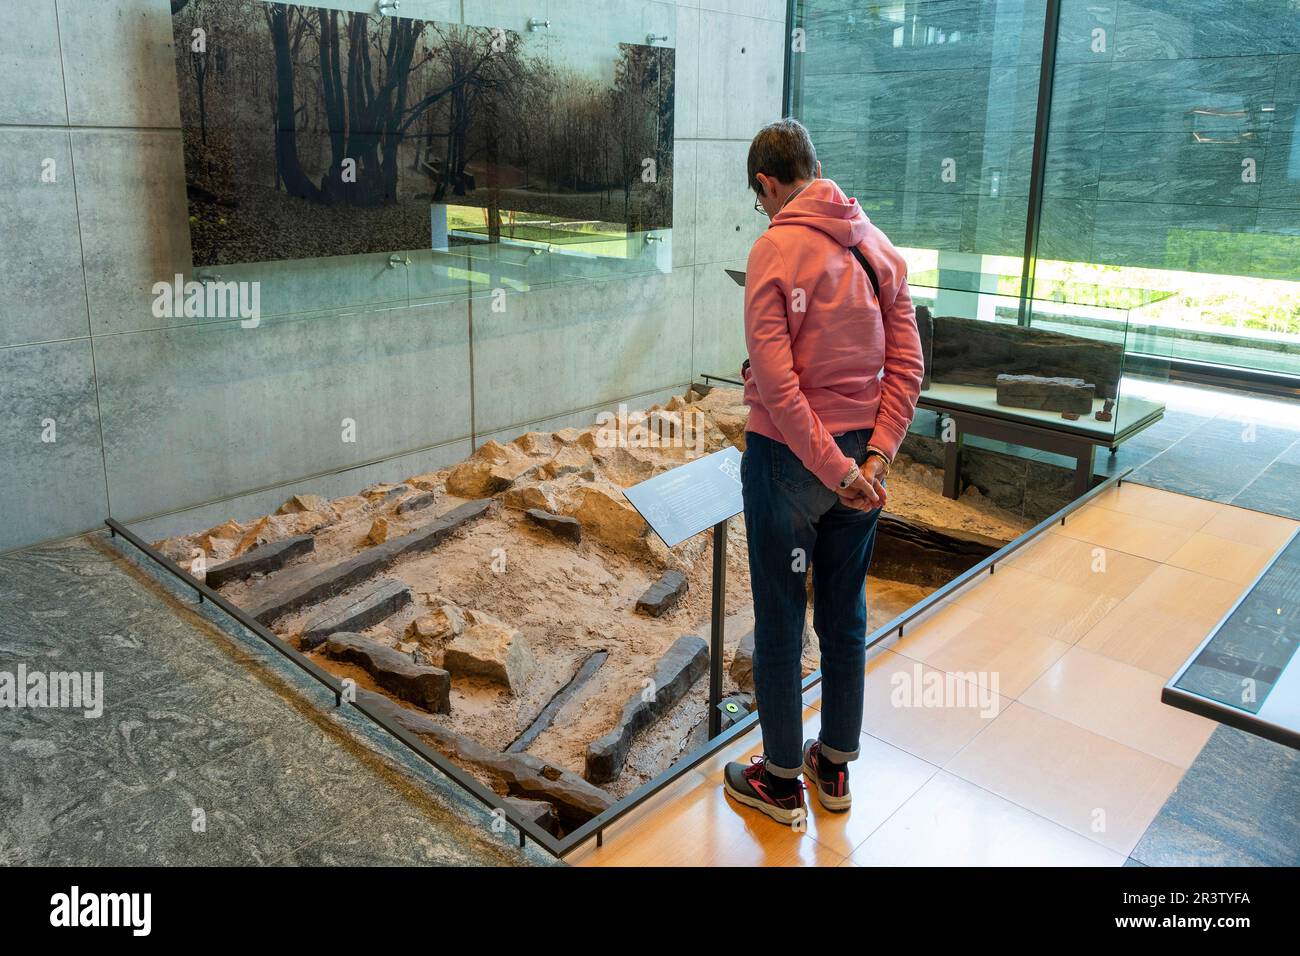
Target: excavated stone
{"points": [[260, 560], [543, 720], [606, 515], [483, 477], [417, 502], [493, 650], [378, 532], [742, 663], [523, 497], [381, 492], [925, 328], [300, 503], [422, 685], [562, 526], [662, 596], [357, 610], [475, 479], [540, 812], [742, 659], [683, 664], [225, 535], [1053, 394], [569, 460], [535, 443], [495, 452], [437, 627], [975, 352], [280, 597], [575, 800], [254, 536]]}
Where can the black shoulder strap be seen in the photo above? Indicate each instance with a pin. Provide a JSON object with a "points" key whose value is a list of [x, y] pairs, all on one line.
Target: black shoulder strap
{"points": [[871, 273]]}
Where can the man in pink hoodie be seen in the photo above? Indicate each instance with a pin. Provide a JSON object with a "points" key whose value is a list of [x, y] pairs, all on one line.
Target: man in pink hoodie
{"points": [[833, 375]]}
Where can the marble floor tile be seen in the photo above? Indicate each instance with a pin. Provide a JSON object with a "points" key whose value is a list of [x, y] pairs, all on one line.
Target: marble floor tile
{"points": [[397, 833], [195, 717], [1274, 490], [1236, 806]]}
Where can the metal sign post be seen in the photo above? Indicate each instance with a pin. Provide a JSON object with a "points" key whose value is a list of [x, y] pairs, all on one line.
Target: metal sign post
{"points": [[689, 499]]}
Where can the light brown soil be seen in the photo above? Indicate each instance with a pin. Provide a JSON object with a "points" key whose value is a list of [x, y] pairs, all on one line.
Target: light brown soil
{"points": [[569, 600]]}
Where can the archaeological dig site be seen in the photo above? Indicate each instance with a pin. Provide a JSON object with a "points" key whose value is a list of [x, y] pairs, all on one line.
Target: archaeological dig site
{"points": [[627, 434]]}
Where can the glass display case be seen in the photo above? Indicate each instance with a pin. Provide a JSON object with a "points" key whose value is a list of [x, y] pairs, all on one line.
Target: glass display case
{"points": [[1073, 358]]}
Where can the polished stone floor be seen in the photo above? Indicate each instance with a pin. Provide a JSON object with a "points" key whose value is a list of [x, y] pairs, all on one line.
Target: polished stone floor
{"points": [[1219, 444], [210, 749]]}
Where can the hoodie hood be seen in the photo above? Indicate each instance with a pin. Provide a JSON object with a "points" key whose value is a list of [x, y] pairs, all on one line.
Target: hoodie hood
{"points": [[822, 205]]}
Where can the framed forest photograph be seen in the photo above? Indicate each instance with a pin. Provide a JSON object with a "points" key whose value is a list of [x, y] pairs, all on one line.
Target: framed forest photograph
{"points": [[315, 132]]}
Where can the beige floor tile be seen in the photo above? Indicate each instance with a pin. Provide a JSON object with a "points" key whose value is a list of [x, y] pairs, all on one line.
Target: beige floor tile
{"points": [[697, 825], [924, 711], [1037, 605], [1265, 531], [1121, 702], [1131, 533], [1082, 564], [1183, 511], [930, 635], [1222, 558], [1163, 620], [1087, 783], [951, 822], [1003, 658]]}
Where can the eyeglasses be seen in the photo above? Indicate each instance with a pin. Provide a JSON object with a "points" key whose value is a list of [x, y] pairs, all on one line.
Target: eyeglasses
{"points": [[758, 205]]}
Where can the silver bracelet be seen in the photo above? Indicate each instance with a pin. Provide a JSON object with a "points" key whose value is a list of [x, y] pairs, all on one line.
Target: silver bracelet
{"points": [[850, 478]]}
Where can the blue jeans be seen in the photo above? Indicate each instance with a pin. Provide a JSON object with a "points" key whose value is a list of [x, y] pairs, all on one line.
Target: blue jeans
{"points": [[794, 524]]}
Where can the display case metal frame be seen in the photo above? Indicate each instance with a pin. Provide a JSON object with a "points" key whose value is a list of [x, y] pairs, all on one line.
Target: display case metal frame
{"points": [[1264, 722], [561, 847]]}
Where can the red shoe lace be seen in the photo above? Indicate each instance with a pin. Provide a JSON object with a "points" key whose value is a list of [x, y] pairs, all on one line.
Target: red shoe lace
{"points": [[758, 763]]}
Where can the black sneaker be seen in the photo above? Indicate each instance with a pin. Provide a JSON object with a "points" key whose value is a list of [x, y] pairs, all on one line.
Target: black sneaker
{"points": [[755, 787], [831, 783]]}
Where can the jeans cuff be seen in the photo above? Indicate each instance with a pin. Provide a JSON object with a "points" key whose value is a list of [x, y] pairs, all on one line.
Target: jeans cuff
{"points": [[782, 772], [837, 756]]}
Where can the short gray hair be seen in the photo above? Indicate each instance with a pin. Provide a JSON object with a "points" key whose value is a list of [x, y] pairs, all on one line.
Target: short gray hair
{"points": [[783, 150]]}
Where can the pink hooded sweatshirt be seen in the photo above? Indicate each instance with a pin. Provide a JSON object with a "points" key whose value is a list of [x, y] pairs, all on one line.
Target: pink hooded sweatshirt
{"points": [[819, 340]]}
